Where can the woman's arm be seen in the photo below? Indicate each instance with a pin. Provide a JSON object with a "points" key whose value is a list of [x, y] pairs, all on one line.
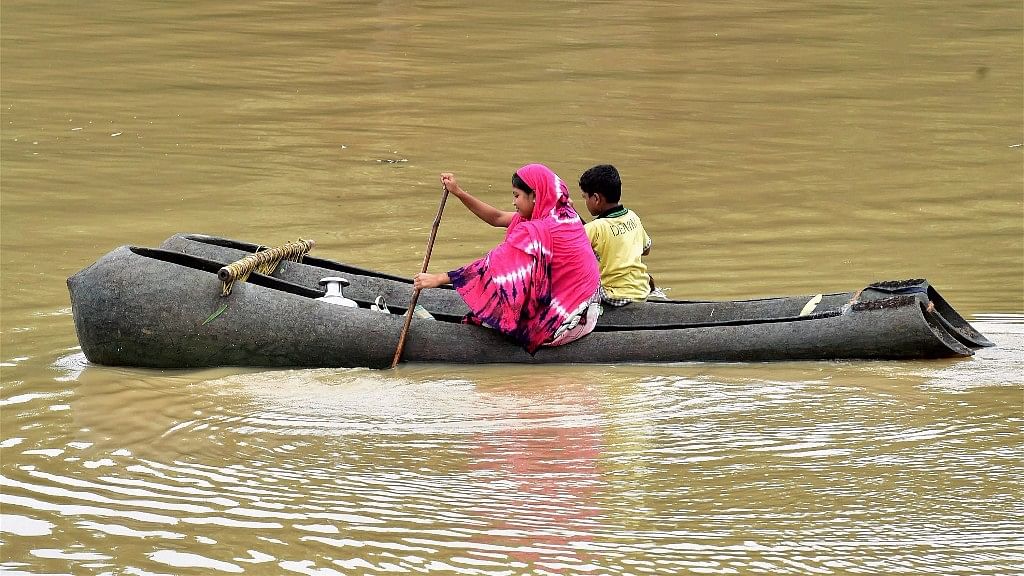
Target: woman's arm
{"points": [[427, 280], [483, 210]]}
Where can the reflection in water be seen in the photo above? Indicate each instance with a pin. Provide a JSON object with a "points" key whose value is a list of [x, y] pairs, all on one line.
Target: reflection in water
{"points": [[542, 474]]}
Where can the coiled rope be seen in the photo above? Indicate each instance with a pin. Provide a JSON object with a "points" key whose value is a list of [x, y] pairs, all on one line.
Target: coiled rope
{"points": [[262, 262]]}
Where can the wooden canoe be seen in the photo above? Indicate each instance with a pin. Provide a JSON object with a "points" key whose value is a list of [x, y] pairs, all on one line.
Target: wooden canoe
{"points": [[367, 284], [163, 308]]}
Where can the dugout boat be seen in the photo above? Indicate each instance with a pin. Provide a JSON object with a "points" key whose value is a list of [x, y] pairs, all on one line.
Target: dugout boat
{"points": [[367, 284], [201, 301]]}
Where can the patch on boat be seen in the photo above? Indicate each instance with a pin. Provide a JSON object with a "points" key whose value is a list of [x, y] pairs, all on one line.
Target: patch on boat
{"points": [[897, 285], [893, 302]]}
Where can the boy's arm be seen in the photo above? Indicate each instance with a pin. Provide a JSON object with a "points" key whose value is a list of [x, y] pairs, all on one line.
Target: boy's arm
{"points": [[647, 245], [593, 231]]}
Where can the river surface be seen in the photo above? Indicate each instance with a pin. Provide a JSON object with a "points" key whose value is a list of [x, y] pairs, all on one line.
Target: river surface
{"points": [[771, 148]]}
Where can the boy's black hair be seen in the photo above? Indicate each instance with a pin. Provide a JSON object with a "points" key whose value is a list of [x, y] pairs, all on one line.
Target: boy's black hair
{"points": [[518, 182], [602, 179]]}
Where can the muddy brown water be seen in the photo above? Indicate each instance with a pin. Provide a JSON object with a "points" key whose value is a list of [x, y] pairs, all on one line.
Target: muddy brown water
{"points": [[770, 148]]}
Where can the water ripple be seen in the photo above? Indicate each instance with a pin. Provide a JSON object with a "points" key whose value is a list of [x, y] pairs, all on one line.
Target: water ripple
{"points": [[714, 469]]}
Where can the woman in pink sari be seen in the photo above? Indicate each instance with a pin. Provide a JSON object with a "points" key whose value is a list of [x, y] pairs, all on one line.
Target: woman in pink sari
{"points": [[539, 285]]}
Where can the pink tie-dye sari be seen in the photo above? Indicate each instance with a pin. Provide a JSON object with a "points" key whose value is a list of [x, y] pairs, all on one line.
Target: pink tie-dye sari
{"points": [[543, 272]]}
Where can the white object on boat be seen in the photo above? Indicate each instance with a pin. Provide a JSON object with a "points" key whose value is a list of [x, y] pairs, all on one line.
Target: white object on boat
{"points": [[334, 284]]}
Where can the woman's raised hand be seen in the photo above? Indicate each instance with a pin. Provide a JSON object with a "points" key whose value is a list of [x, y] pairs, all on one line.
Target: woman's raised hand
{"points": [[450, 183]]}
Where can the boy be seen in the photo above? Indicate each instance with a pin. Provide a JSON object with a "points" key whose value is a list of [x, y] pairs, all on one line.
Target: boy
{"points": [[617, 237]]}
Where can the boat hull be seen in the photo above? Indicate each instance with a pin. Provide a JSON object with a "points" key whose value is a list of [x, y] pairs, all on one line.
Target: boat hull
{"points": [[368, 284], [163, 309]]}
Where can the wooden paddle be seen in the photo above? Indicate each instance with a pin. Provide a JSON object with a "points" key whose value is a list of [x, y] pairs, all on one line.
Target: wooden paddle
{"points": [[416, 292]]}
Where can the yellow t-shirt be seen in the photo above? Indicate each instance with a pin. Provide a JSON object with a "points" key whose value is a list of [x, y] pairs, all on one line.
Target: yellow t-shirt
{"points": [[619, 239]]}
